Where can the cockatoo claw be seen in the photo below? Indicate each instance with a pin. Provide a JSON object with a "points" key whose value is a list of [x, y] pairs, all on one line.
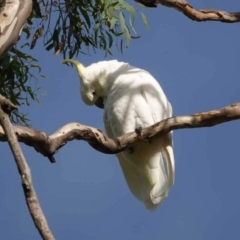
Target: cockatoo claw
{"points": [[138, 130]]}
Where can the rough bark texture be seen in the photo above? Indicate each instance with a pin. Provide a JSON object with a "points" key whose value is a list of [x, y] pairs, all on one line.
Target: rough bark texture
{"points": [[49, 145], [195, 15], [13, 14], [24, 171]]}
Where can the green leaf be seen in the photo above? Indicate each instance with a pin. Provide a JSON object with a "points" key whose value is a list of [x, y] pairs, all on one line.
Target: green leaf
{"points": [[36, 9], [50, 46], [122, 21], [36, 66], [26, 44], [22, 55], [113, 22], [121, 46], [29, 90], [144, 20], [27, 31], [85, 15], [97, 26], [46, 43], [103, 42], [112, 13], [116, 34], [132, 16], [110, 39], [127, 36], [111, 5]]}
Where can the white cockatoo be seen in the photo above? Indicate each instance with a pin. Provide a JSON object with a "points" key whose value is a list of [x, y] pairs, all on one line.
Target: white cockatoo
{"points": [[132, 99]]}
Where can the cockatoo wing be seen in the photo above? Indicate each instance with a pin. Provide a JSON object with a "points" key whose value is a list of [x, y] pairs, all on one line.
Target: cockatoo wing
{"points": [[131, 173], [141, 102], [132, 98]]}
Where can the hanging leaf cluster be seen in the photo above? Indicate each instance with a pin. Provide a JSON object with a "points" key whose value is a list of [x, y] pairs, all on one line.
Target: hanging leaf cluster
{"points": [[83, 25], [18, 75]]}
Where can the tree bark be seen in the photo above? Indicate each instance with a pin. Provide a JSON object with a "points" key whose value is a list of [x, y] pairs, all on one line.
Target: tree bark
{"points": [[13, 14], [49, 145], [194, 14], [24, 170]]}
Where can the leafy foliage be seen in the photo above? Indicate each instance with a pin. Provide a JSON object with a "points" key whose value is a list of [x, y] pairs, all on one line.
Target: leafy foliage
{"points": [[67, 27], [83, 25], [16, 73]]}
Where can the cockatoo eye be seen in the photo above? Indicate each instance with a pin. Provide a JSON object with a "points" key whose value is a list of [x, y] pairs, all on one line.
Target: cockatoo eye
{"points": [[94, 93]]}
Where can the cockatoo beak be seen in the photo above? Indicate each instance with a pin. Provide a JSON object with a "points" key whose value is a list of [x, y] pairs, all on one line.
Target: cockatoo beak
{"points": [[99, 103], [79, 67]]}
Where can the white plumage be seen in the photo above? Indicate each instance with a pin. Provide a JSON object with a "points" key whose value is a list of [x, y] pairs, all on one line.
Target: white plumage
{"points": [[132, 98]]}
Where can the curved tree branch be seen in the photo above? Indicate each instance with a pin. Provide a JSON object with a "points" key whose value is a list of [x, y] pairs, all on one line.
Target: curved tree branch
{"points": [[49, 145], [195, 15]]}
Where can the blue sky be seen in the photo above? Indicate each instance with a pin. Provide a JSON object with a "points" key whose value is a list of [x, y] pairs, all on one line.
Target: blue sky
{"points": [[84, 195]]}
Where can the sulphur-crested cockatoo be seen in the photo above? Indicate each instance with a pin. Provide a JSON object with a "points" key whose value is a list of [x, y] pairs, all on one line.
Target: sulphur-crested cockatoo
{"points": [[132, 99]]}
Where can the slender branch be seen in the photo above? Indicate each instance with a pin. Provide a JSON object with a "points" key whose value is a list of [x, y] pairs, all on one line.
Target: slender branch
{"points": [[49, 145], [13, 14], [24, 171], [195, 15]]}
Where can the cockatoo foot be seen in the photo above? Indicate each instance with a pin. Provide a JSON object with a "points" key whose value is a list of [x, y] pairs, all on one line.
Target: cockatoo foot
{"points": [[138, 130]]}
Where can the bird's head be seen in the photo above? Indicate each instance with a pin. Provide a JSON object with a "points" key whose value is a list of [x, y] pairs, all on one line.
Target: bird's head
{"points": [[89, 87]]}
